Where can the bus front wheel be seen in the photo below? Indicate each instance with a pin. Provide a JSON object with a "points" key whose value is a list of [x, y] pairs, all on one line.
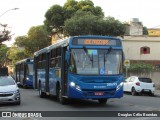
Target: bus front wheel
{"points": [[41, 94], [102, 101], [60, 98]]}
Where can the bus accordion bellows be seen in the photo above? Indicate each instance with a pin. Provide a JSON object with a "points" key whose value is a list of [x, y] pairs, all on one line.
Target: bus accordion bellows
{"points": [[24, 72], [81, 67]]}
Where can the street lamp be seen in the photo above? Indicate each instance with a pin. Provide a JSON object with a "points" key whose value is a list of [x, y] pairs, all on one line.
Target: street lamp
{"points": [[7, 11]]}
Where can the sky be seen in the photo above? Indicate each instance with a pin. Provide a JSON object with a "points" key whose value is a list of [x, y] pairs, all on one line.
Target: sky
{"points": [[31, 12]]}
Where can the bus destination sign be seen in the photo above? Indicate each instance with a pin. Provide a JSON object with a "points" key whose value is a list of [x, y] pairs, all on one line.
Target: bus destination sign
{"points": [[96, 42], [90, 41]]}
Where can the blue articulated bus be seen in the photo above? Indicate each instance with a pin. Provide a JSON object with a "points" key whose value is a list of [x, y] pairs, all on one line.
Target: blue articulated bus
{"points": [[81, 67], [24, 72]]}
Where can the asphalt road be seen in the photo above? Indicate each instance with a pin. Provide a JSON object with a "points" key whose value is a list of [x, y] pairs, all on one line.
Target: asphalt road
{"points": [[30, 101]]}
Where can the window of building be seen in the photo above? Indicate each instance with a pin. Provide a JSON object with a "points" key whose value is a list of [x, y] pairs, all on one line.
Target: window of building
{"points": [[145, 50]]}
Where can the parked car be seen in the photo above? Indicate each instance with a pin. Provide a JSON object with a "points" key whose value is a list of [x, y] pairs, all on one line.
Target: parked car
{"points": [[136, 85], [9, 91]]}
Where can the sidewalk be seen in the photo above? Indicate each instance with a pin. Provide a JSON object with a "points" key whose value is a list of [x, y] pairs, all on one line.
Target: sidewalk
{"points": [[157, 93]]}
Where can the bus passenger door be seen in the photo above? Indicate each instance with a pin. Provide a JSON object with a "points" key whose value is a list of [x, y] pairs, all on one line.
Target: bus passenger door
{"points": [[64, 71]]}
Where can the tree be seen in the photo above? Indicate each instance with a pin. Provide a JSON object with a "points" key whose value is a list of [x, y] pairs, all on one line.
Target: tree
{"points": [[5, 34], [114, 27], [88, 6], [37, 39], [57, 15], [90, 24], [21, 41], [3, 51], [54, 18], [145, 31], [15, 54]]}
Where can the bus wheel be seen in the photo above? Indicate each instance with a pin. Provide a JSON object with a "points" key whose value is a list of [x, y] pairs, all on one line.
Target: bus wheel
{"points": [[41, 94], [102, 101], [25, 86], [61, 99]]}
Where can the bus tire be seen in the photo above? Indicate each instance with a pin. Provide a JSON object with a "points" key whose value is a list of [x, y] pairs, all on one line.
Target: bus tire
{"points": [[41, 94], [60, 99], [25, 86], [102, 101]]}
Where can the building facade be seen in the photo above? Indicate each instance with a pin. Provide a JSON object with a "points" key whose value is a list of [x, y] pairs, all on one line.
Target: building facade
{"points": [[154, 32], [142, 48]]}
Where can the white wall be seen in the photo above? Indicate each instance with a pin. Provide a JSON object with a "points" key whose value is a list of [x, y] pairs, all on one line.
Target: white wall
{"points": [[132, 45]]}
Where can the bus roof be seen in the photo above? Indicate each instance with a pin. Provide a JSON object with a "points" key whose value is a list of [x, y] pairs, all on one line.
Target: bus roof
{"points": [[61, 42], [65, 42], [41, 51], [25, 60]]}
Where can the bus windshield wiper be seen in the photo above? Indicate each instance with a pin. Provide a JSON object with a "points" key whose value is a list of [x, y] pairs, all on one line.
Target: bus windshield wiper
{"points": [[109, 50], [90, 58]]}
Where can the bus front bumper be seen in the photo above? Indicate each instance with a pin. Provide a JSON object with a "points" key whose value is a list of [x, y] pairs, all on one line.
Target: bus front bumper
{"points": [[94, 94]]}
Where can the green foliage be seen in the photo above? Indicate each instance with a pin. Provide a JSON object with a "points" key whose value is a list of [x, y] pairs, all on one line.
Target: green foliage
{"points": [[140, 68], [57, 15], [21, 41], [145, 31], [3, 51], [54, 17], [84, 23], [37, 39], [88, 6], [14, 54], [81, 25], [70, 7], [114, 27], [5, 34]]}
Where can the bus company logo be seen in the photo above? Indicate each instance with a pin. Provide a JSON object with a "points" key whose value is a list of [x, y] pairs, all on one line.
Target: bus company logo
{"points": [[100, 87]]}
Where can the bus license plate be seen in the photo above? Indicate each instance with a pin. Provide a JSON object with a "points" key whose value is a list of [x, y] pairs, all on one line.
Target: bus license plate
{"points": [[98, 93]]}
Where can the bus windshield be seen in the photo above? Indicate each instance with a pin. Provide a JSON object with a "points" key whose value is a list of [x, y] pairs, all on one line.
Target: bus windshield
{"points": [[30, 69], [96, 61]]}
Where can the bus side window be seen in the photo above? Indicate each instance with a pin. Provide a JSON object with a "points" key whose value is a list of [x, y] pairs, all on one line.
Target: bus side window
{"points": [[58, 57], [52, 59]]}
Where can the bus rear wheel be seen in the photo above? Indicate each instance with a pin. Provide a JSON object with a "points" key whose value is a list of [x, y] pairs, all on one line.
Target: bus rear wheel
{"points": [[102, 101]]}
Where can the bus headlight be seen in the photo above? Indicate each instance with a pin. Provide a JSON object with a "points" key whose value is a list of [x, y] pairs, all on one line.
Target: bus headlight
{"points": [[119, 86], [27, 78], [72, 84]]}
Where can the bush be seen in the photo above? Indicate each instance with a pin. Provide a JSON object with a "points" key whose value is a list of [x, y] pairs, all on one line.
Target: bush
{"points": [[140, 68]]}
